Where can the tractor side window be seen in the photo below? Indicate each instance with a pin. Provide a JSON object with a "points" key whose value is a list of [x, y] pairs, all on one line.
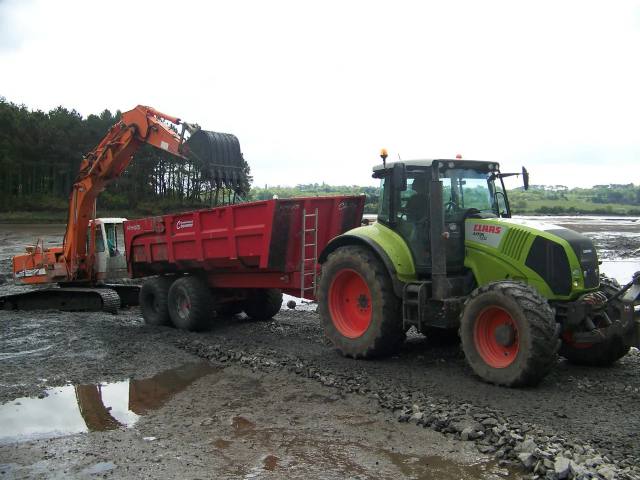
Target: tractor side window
{"points": [[412, 218], [413, 205], [385, 197]]}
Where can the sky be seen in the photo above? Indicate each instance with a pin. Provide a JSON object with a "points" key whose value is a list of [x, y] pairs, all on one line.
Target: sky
{"points": [[313, 90]]}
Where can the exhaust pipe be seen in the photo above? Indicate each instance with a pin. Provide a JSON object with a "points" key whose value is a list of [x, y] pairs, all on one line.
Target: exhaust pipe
{"points": [[440, 284]]}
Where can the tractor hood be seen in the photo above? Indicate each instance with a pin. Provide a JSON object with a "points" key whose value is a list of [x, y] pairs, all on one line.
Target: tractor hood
{"points": [[561, 262]]}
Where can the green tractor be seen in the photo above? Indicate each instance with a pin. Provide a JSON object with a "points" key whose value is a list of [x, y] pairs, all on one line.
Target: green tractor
{"points": [[446, 257]]}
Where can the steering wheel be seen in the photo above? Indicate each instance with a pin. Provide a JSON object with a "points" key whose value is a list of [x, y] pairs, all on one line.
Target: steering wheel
{"points": [[451, 205]]}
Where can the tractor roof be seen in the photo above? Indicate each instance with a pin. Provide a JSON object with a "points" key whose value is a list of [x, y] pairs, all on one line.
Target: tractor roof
{"points": [[428, 162]]}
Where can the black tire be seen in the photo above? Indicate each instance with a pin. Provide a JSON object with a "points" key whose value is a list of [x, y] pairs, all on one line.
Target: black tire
{"points": [[190, 304], [262, 304], [508, 334], [229, 309], [154, 298], [381, 333], [441, 336], [609, 351]]}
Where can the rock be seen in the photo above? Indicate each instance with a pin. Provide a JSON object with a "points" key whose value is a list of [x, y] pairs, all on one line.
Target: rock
{"points": [[486, 449], [469, 433], [527, 460], [607, 471], [489, 422], [576, 469], [594, 461], [527, 446], [417, 416], [561, 467]]}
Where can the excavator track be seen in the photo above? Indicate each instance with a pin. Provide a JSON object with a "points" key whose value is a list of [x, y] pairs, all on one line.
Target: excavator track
{"points": [[67, 299]]}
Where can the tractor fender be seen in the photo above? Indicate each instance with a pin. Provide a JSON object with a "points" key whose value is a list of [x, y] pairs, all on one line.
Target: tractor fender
{"points": [[396, 257]]}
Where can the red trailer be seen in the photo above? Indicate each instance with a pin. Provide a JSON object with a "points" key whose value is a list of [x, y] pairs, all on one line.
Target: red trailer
{"points": [[233, 258]]}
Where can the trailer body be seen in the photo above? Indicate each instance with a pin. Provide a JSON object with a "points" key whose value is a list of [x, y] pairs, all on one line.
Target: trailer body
{"points": [[269, 244]]}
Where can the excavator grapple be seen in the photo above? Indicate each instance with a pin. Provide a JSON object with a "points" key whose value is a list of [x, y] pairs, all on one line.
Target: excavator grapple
{"points": [[219, 158]]}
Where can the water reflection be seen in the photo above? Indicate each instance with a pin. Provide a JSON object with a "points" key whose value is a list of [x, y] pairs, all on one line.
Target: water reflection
{"points": [[90, 408]]}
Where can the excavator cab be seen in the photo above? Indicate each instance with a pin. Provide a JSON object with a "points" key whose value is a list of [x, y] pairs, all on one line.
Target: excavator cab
{"points": [[110, 260]]}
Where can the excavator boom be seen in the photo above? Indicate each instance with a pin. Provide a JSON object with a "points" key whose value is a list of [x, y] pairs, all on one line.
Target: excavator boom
{"points": [[73, 262]]}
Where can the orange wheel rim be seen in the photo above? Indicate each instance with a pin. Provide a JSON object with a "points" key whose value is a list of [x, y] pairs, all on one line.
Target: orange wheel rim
{"points": [[496, 337], [350, 303]]}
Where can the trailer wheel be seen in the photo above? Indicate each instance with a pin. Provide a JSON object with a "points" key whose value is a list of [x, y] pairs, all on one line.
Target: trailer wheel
{"points": [[263, 303], [153, 299], [508, 334], [600, 354], [359, 311], [229, 309], [190, 304]]}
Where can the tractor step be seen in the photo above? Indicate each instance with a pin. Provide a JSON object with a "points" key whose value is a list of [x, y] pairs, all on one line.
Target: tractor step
{"points": [[67, 299], [414, 299]]}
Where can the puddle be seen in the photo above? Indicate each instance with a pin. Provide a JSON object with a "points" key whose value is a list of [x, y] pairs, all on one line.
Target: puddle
{"points": [[428, 467], [93, 408]]}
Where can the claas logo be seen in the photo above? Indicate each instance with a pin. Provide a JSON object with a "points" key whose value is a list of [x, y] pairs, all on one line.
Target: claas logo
{"points": [[478, 227]]}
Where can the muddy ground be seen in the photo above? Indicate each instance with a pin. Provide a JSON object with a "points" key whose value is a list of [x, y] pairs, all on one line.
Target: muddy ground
{"points": [[273, 400]]}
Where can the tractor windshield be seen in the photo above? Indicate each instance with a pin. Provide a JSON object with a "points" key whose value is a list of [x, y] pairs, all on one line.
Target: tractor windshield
{"points": [[466, 188]]}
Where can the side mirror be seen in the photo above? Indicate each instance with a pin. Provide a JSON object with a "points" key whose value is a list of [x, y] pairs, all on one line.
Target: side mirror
{"points": [[525, 178], [400, 176]]}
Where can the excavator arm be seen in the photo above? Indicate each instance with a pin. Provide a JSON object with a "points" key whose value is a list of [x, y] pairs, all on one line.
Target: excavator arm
{"points": [[72, 263], [217, 155], [142, 125]]}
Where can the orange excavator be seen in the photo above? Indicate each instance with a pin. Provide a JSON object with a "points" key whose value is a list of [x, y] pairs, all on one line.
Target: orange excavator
{"points": [[92, 250]]}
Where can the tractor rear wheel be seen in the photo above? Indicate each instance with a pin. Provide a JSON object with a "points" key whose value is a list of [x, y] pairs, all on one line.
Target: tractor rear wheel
{"points": [[263, 303], [153, 299], [508, 334], [604, 353], [359, 311], [190, 303]]}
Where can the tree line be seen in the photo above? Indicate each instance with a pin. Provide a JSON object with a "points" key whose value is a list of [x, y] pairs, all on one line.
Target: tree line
{"points": [[40, 154]]}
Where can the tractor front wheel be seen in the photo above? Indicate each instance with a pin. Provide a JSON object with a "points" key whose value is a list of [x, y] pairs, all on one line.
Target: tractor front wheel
{"points": [[359, 311], [508, 334]]}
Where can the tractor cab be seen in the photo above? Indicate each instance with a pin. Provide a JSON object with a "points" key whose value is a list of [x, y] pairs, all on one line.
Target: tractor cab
{"points": [[419, 196]]}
